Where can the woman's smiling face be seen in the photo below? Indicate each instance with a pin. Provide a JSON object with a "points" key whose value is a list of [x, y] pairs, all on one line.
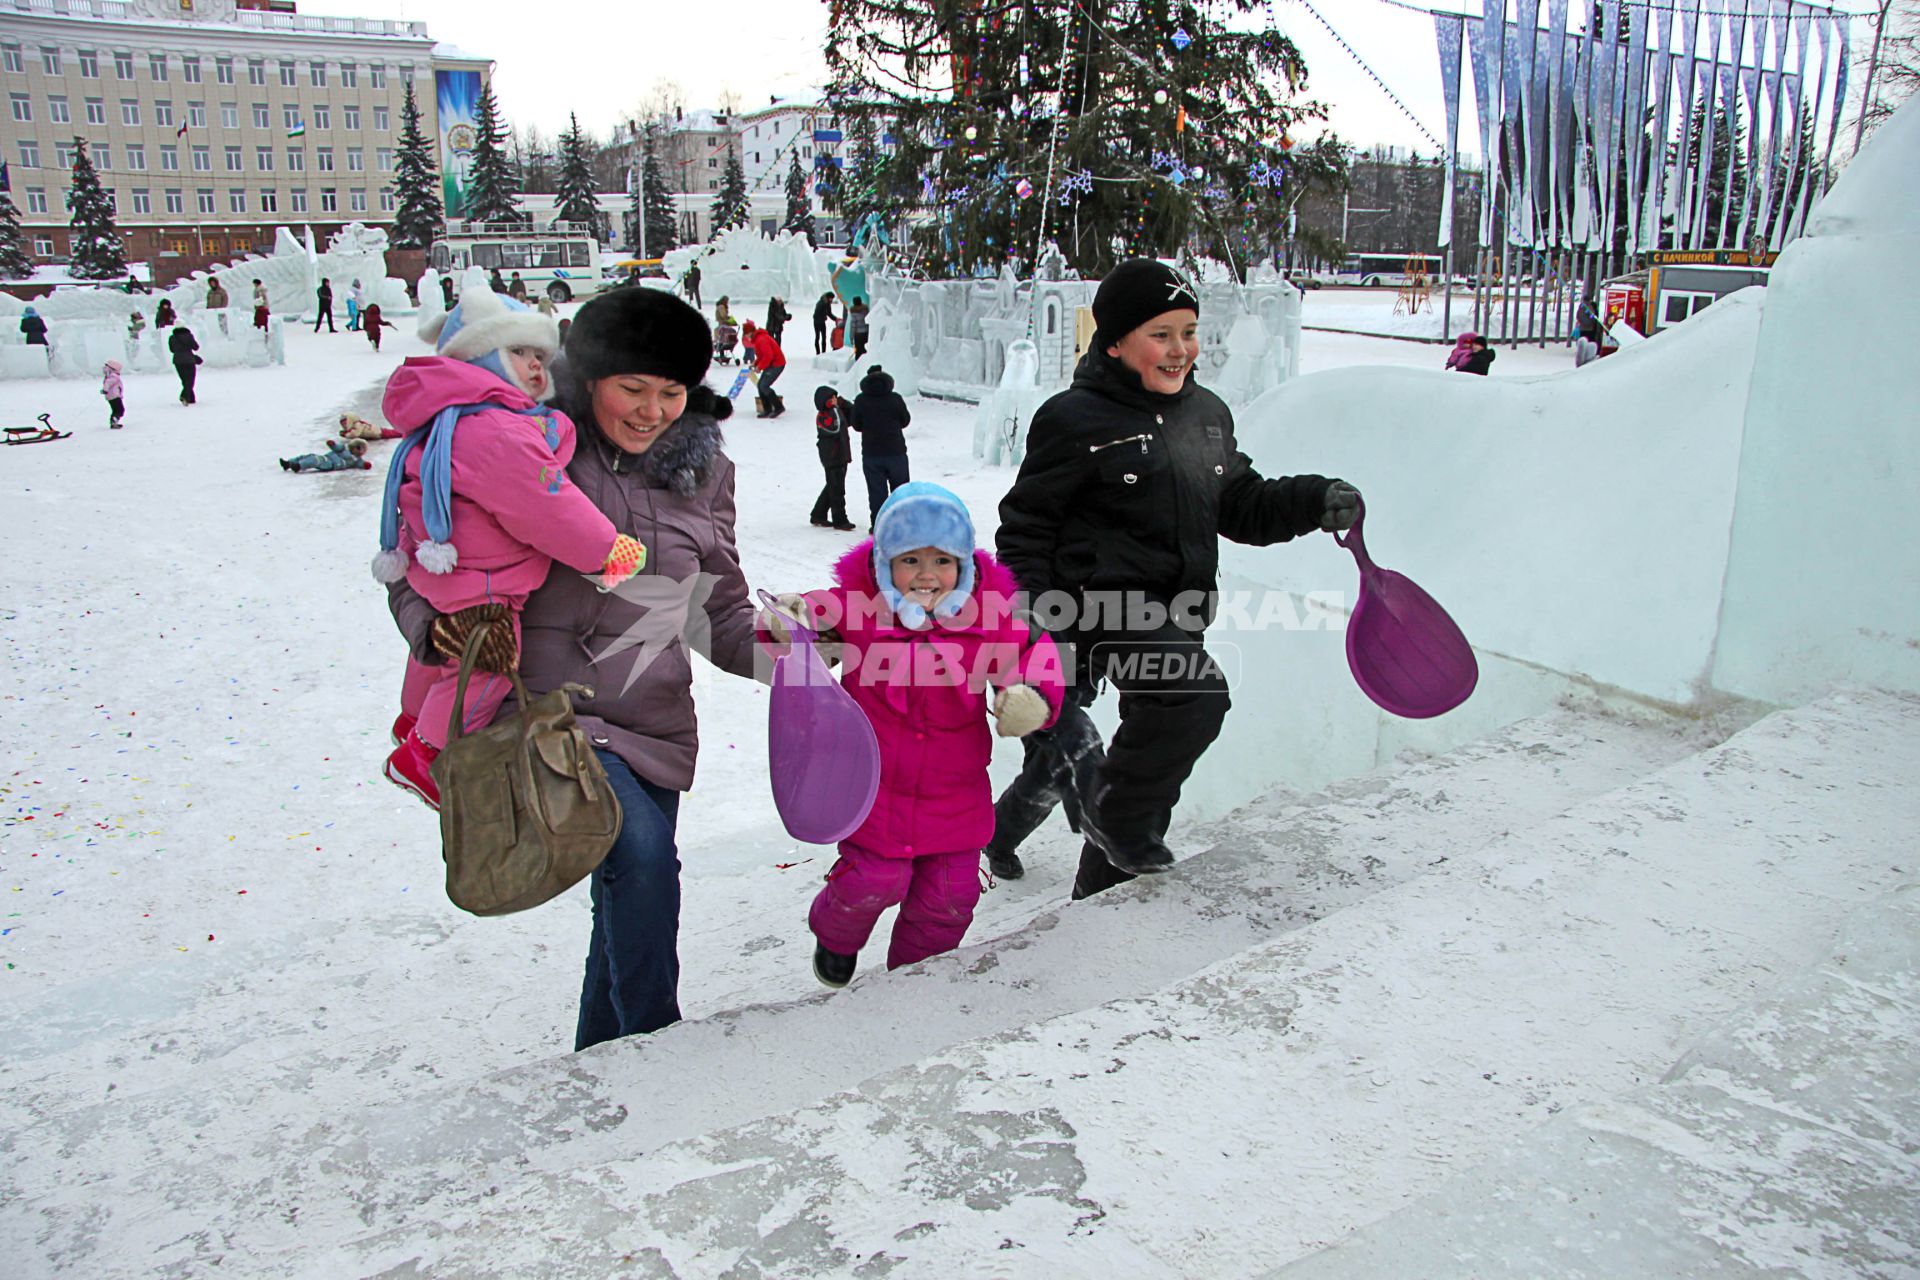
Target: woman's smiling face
{"points": [[632, 409]]}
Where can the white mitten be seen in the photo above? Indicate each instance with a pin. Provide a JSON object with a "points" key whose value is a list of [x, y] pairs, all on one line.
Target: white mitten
{"points": [[791, 606], [1020, 710]]}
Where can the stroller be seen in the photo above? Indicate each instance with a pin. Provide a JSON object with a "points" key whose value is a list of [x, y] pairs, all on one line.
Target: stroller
{"points": [[726, 339]]}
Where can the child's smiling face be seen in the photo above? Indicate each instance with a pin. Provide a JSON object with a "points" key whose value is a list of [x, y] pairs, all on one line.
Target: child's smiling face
{"points": [[925, 575]]}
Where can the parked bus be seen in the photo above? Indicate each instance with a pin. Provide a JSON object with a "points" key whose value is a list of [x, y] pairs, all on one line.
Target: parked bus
{"points": [[563, 261], [1394, 269]]}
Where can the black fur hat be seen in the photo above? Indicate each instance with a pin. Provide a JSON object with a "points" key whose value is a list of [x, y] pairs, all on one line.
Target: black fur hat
{"points": [[639, 330]]}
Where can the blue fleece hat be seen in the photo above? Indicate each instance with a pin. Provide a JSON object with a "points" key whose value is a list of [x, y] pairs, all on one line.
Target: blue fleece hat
{"points": [[921, 514]]}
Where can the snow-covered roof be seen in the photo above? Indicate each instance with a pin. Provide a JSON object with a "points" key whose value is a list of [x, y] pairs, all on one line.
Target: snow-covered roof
{"points": [[447, 51]]}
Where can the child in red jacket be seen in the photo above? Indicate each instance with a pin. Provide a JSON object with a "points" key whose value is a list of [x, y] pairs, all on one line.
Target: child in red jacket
{"points": [[927, 625], [764, 355]]}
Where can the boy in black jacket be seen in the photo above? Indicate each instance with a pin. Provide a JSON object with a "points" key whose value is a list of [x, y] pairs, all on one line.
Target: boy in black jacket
{"points": [[831, 422], [1132, 476], [880, 416]]}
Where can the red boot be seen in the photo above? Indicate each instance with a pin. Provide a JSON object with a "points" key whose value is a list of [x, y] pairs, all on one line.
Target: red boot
{"points": [[402, 726], [409, 768]]}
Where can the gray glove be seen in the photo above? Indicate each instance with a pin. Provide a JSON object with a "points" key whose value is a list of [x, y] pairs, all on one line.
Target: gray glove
{"points": [[1343, 507]]}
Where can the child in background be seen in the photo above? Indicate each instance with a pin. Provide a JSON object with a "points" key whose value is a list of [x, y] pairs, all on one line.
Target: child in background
{"points": [[341, 455], [832, 422], [114, 390], [371, 321], [927, 623], [477, 513]]}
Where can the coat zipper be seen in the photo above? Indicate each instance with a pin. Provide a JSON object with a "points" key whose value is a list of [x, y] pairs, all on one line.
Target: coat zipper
{"points": [[1143, 439]]}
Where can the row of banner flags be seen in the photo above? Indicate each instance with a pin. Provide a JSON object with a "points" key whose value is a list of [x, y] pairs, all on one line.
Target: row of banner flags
{"points": [[1560, 111]]}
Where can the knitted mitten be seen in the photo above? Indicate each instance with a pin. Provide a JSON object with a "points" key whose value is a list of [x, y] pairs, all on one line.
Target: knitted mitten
{"points": [[627, 558], [498, 652], [1020, 709]]}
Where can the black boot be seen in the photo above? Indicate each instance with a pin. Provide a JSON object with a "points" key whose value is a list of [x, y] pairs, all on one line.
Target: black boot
{"points": [[1005, 865], [832, 968], [1132, 847]]}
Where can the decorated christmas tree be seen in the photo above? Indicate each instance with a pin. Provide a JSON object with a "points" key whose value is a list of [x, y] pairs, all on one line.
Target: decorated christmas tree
{"points": [[98, 253], [1113, 127], [491, 185], [416, 182]]}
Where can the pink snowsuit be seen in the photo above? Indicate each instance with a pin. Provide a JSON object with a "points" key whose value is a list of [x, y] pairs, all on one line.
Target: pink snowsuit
{"points": [[514, 513], [925, 693]]}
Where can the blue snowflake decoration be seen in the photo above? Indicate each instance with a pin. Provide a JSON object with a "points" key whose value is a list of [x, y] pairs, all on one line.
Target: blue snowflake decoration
{"points": [[1165, 160], [1216, 193], [1181, 39]]}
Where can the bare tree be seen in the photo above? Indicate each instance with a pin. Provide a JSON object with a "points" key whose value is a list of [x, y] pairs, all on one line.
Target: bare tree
{"points": [[1893, 64]]}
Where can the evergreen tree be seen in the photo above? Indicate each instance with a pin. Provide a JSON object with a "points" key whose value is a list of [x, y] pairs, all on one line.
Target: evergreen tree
{"points": [[14, 262], [731, 208], [859, 192], [416, 182], [1165, 125], [663, 232], [97, 253], [491, 186], [799, 201], [574, 192]]}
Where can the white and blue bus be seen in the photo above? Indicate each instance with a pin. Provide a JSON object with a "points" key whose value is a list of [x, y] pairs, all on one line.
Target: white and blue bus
{"points": [[563, 262], [1395, 269]]}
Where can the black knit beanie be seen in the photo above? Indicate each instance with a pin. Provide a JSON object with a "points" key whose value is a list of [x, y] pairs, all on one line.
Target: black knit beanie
{"points": [[1133, 293], [639, 330]]}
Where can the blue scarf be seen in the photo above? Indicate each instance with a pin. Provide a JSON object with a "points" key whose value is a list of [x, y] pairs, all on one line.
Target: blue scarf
{"points": [[436, 491]]}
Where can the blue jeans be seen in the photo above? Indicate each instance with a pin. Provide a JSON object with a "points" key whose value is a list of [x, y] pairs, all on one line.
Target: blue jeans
{"points": [[884, 473], [633, 965]]}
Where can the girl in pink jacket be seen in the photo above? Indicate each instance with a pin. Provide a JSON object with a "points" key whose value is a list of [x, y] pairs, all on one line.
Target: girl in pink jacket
{"points": [[927, 624], [478, 505], [114, 390]]}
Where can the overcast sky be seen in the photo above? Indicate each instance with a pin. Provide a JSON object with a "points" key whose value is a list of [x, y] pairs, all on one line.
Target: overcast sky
{"points": [[599, 59]]}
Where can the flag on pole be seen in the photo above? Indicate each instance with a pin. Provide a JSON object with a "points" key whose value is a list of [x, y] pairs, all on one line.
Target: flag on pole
{"points": [[181, 132], [298, 129]]}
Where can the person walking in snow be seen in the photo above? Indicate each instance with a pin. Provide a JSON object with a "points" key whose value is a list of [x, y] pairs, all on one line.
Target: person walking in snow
{"points": [[764, 356], [927, 623], [857, 327], [340, 455], [372, 322], [216, 294], [881, 417], [114, 390], [477, 505], [832, 427], [650, 457], [777, 317], [186, 360], [356, 302], [323, 306], [1131, 478], [692, 281], [261, 308], [33, 330]]}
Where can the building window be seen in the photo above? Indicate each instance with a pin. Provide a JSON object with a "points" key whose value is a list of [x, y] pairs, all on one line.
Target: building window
{"points": [[261, 119], [10, 54], [323, 159], [42, 248], [329, 200], [36, 199], [202, 160], [806, 153], [382, 121], [236, 202], [163, 113], [322, 116], [210, 244], [406, 71], [290, 114], [129, 111], [386, 200], [157, 66], [196, 115], [180, 245], [142, 201], [169, 157], [63, 155], [22, 108], [229, 115], [377, 76], [756, 157], [203, 200], [286, 72], [190, 69], [356, 159], [233, 159], [57, 111], [713, 162], [296, 159], [297, 200], [223, 70], [243, 244], [176, 202], [102, 157], [96, 110], [383, 158], [256, 70], [263, 159], [350, 118], [137, 157], [317, 75], [123, 65], [269, 201], [348, 76], [29, 154], [89, 64], [50, 60], [357, 200]]}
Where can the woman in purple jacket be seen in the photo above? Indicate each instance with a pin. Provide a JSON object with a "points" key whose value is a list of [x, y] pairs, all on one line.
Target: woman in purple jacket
{"points": [[630, 375]]}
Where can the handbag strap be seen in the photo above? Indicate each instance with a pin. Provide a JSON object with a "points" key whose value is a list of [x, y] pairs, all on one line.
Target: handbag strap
{"points": [[457, 728]]}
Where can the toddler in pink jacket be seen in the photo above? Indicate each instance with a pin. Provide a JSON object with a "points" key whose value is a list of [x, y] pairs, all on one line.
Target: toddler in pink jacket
{"points": [[927, 625], [478, 505]]}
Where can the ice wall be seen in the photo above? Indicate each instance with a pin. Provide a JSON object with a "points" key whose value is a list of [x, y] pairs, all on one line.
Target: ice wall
{"points": [[1823, 581]]}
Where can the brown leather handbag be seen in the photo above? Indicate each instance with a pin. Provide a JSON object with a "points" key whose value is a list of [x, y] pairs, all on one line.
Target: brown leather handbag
{"points": [[525, 808]]}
